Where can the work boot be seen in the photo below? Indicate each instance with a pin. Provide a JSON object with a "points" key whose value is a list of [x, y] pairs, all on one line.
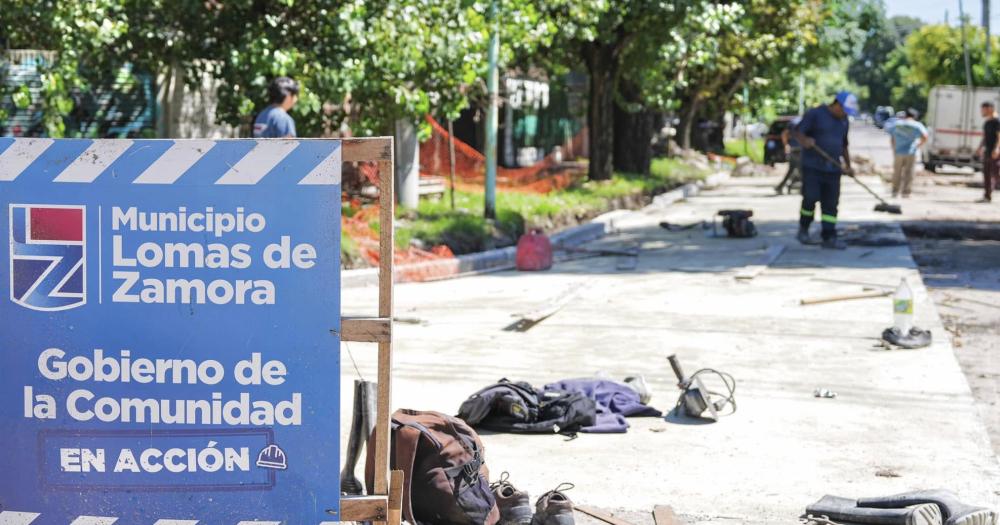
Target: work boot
{"points": [[953, 511], [362, 423], [803, 236], [844, 509], [514, 505], [554, 508], [834, 243]]}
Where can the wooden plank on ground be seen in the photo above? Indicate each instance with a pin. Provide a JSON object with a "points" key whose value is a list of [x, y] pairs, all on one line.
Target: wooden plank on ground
{"points": [[664, 515], [844, 297], [601, 515], [770, 255]]}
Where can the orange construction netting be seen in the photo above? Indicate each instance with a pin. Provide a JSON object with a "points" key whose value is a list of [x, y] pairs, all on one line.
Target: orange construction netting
{"points": [[544, 176]]}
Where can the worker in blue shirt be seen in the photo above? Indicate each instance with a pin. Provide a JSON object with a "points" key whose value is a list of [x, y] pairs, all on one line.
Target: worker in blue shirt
{"points": [[274, 121], [824, 127]]}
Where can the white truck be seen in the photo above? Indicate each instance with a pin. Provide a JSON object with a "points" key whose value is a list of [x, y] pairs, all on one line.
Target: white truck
{"points": [[955, 125]]}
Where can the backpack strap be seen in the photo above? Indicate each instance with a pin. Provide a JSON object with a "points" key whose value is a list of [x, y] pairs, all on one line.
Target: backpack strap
{"points": [[407, 440]]}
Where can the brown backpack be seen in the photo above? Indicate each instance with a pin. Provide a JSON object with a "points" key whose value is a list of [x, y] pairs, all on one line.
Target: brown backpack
{"points": [[445, 479]]}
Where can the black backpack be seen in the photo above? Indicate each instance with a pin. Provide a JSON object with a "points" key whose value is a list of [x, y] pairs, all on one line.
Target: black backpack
{"points": [[517, 407], [445, 479]]}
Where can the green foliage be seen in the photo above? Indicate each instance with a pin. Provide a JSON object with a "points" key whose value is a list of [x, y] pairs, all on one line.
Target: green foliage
{"points": [[753, 148], [465, 230]]}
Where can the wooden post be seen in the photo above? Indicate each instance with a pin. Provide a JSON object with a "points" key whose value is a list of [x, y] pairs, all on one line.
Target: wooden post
{"points": [[451, 161], [383, 505]]}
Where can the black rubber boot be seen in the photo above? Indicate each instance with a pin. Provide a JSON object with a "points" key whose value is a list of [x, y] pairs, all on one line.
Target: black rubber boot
{"points": [[953, 511], [844, 509], [362, 422]]}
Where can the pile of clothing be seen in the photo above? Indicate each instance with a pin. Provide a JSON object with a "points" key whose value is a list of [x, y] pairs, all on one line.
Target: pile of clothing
{"points": [[595, 405]]}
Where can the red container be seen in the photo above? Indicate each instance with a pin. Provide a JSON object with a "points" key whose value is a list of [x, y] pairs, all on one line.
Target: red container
{"points": [[534, 252]]}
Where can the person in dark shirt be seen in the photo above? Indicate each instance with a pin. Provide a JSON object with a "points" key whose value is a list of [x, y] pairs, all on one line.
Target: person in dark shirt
{"points": [[274, 121], [824, 127], [989, 150]]}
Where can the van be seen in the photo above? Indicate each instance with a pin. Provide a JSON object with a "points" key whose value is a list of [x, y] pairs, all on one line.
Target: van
{"points": [[955, 125]]}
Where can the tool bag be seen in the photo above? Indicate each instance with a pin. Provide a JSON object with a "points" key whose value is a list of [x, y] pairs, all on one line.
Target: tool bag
{"points": [[517, 407], [445, 479], [737, 223]]}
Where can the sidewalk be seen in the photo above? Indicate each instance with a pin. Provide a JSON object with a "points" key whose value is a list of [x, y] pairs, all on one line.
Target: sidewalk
{"points": [[908, 415]]}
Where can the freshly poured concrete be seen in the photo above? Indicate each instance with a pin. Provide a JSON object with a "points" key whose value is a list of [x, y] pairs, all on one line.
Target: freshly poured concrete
{"points": [[902, 420]]}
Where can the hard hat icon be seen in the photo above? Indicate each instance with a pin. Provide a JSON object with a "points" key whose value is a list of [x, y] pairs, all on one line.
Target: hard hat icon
{"points": [[272, 456]]}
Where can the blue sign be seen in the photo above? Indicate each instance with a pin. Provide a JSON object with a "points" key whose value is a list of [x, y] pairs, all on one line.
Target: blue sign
{"points": [[166, 353]]}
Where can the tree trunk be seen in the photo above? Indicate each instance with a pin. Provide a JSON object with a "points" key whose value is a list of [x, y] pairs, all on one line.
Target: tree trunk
{"points": [[633, 132], [688, 115], [601, 60]]}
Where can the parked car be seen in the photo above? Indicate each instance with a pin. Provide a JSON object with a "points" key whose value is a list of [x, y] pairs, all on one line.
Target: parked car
{"points": [[774, 149], [882, 114]]}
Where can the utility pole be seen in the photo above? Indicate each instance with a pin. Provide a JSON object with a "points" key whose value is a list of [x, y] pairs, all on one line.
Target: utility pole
{"points": [[490, 208], [965, 46], [989, 44]]}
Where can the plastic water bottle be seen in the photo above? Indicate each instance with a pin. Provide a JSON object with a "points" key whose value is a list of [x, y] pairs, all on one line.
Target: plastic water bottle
{"points": [[902, 307]]}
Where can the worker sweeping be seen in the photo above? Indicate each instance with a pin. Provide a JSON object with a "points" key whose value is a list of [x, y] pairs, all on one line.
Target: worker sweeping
{"points": [[824, 127]]}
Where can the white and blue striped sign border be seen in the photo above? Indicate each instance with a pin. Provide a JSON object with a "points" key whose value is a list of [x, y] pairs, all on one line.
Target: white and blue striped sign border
{"points": [[161, 161], [26, 518]]}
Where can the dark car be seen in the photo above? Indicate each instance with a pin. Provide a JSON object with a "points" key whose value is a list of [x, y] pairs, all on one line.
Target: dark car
{"points": [[774, 149], [882, 115]]}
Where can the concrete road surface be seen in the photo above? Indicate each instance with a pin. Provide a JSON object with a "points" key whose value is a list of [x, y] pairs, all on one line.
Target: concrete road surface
{"points": [[902, 420]]}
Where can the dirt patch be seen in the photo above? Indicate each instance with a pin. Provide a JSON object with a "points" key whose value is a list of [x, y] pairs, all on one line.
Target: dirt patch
{"points": [[959, 265]]}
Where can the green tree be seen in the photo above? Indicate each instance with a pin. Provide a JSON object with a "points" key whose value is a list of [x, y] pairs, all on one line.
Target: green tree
{"points": [[598, 35]]}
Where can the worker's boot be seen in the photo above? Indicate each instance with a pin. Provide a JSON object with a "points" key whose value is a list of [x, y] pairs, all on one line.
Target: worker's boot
{"points": [[953, 511], [803, 235], [844, 509], [362, 421]]}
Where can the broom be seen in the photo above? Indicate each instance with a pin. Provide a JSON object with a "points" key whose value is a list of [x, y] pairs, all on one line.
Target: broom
{"points": [[882, 205]]}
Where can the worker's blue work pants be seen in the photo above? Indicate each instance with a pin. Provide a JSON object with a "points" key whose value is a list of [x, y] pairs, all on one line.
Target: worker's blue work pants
{"points": [[824, 188]]}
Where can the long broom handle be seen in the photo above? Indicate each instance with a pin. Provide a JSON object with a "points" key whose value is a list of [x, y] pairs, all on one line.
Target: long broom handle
{"points": [[850, 174]]}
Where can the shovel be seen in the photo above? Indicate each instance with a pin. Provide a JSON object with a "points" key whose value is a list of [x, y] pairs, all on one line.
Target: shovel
{"points": [[882, 205]]}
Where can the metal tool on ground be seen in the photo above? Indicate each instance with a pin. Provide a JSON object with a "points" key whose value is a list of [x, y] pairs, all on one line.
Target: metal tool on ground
{"points": [[698, 401], [669, 226], [527, 320], [882, 205]]}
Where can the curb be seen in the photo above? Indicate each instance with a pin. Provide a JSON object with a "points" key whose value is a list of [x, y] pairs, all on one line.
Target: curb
{"points": [[503, 258]]}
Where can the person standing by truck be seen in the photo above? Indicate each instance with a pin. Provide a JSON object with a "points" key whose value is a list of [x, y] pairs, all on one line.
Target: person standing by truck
{"points": [[824, 127], [908, 135], [989, 149]]}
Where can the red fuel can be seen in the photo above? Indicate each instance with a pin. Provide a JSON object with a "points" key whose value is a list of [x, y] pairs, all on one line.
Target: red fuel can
{"points": [[534, 252]]}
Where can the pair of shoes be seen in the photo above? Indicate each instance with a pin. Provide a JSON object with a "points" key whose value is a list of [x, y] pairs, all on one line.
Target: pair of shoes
{"points": [[834, 243], [553, 508], [924, 507]]}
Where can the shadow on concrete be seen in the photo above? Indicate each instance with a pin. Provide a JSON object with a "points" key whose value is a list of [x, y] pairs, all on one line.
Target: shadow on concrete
{"points": [[956, 254]]}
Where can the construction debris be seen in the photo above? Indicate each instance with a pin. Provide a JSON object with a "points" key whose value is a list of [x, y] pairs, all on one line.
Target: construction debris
{"points": [[824, 393]]}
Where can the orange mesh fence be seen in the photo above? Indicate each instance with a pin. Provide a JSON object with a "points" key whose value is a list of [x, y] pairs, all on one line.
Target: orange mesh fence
{"points": [[359, 228], [470, 166]]}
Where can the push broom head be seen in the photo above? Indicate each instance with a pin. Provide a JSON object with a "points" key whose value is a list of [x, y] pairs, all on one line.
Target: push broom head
{"points": [[889, 208]]}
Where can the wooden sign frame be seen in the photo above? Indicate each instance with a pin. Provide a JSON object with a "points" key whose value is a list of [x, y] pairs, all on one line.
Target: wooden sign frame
{"points": [[384, 505]]}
